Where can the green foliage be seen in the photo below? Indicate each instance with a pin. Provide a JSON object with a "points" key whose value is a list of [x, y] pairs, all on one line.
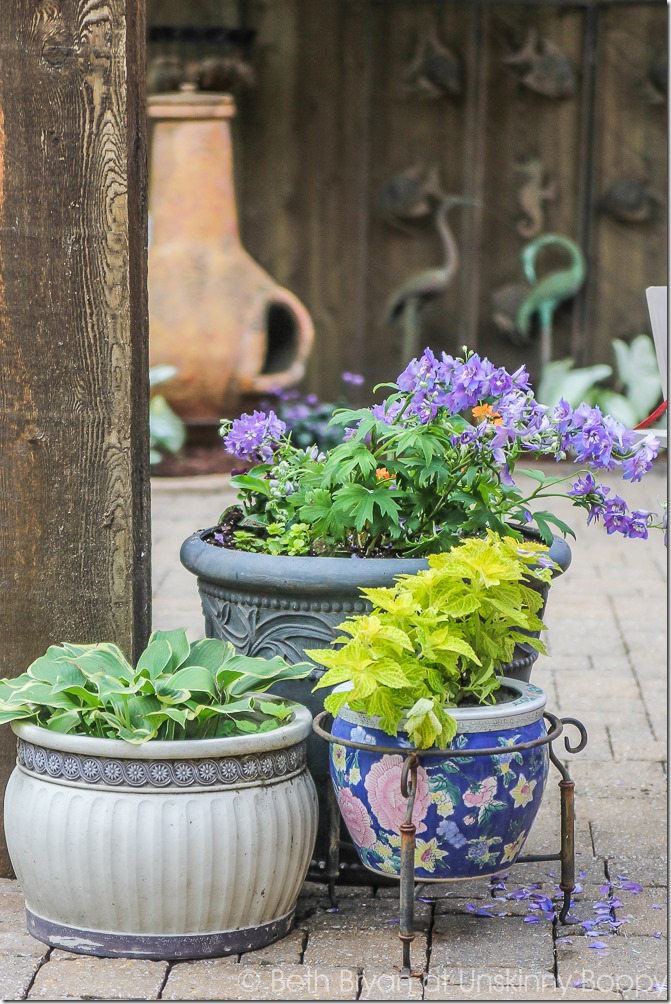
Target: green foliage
{"points": [[387, 490], [637, 385], [177, 690], [435, 639], [167, 432]]}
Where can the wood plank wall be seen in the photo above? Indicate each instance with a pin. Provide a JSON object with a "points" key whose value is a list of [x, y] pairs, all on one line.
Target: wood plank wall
{"points": [[330, 122]]}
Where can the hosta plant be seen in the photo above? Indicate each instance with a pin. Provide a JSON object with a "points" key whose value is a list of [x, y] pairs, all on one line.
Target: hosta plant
{"points": [[436, 638], [177, 690], [432, 464]]}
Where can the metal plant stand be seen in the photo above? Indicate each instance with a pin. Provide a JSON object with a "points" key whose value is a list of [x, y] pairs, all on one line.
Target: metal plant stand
{"points": [[412, 757]]}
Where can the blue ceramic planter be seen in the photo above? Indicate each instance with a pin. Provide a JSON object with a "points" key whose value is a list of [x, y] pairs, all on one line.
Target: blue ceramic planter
{"points": [[472, 813]]}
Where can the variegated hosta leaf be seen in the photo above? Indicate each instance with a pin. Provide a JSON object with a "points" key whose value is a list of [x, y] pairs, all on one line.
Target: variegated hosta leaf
{"points": [[176, 691]]}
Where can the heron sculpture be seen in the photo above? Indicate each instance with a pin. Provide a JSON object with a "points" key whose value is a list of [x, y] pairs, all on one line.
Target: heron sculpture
{"points": [[406, 301], [547, 293]]}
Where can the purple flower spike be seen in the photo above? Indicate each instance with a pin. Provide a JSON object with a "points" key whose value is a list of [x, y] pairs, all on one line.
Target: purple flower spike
{"points": [[253, 437]]}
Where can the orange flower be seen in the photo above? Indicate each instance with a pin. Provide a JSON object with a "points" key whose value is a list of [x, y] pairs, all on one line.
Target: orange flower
{"points": [[382, 474], [486, 411]]}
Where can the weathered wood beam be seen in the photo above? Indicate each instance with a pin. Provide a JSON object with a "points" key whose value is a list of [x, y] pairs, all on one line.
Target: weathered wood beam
{"points": [[74, 464]]}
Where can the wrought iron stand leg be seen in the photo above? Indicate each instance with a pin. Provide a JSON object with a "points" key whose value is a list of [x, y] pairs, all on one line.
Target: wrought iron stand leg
{"points": [[407, 893], [407, 888], [333, 852], [567, 853]]}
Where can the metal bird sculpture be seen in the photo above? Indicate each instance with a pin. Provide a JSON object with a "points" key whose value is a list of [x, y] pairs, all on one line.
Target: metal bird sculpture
{"points": [[547, 293], [413, 293]]}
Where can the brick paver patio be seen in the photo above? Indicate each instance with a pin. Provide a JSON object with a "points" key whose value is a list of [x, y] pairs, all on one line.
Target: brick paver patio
{"points": [[607, 639]]}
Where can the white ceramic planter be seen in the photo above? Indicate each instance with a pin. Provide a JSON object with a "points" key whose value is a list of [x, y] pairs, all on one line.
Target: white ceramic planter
{"points": [[162, 850]]}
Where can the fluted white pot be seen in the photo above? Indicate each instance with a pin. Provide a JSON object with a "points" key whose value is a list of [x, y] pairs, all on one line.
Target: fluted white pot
{"points": [[185, 849]]}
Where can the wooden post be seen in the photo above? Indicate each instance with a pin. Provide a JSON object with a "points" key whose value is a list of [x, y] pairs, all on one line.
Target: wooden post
{"points": [[74, 464]]}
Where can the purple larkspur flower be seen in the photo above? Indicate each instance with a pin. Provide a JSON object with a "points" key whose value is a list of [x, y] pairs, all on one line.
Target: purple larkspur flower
{"points": [[638, 524], [592, 441], [355, 379], [385, 412], [562, 414], [637, 465], [420, 374], [584, 486], [253, 437]]}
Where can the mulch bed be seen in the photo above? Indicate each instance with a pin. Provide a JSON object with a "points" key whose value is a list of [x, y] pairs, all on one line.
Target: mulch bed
{"points": [[195, 460]]}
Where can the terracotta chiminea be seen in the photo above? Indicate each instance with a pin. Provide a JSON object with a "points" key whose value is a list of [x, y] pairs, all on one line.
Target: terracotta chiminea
{"points": [[214, 313]]}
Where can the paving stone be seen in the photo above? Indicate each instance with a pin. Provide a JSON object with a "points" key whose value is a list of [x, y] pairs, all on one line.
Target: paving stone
{"points": [[288, 949], [382, 985], [623, 779], [473, 984], [314, 897], [646, 912], [632, 746], [16, 975], [214, 980], [599, 746], [660, 995], [511, 944], [634, 840], [366, 913], [355, 949], [626, 963], [476, 889], [583, 690], [81, 977]]}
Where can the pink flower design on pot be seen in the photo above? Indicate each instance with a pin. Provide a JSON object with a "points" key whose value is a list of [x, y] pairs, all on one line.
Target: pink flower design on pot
{"points": [[481, 793], [383, 784], [356, 818]]}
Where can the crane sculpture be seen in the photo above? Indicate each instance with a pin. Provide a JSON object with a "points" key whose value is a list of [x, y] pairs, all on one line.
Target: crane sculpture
{"points": [[406, 301], [547, 293]]}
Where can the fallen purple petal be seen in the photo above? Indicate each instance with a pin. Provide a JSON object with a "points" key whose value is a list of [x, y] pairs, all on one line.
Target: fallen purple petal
{"points": [[604, 889], [578, 983], [657, 934], [598, 944], [532, 920], [634, 887], [656, 906]]}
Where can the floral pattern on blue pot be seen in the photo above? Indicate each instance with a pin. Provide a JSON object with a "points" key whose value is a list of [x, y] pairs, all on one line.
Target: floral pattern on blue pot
{"points": [[472, 813]]}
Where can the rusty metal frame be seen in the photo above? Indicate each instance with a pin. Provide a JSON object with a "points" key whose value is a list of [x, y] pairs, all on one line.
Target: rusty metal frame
{"points": [[565, 855]]}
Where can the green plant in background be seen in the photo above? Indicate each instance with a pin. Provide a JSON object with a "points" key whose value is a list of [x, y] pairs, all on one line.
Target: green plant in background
{"points": [[435, 639], [308, 419], [167, 432], [178, 690], [637, 385]]}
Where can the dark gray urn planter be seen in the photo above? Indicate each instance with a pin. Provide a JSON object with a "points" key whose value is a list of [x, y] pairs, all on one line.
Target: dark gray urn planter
{"points": [[270, 605]]}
